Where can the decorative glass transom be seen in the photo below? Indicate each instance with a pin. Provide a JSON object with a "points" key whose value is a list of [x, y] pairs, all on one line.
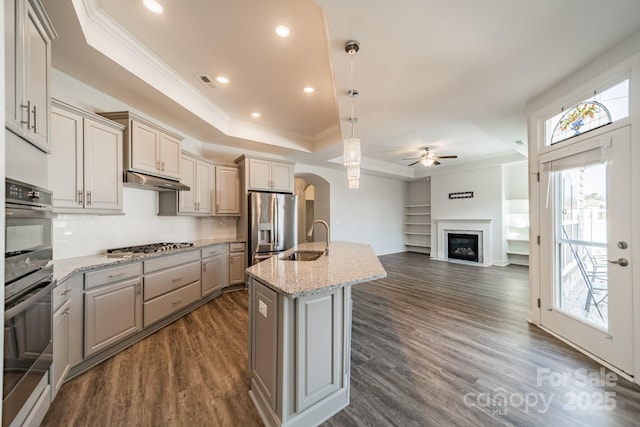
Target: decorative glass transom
{"points": [[580, 118], [599, 110]]}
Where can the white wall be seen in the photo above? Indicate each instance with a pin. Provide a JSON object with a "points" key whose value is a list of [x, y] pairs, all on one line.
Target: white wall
{"points": [[486, 184], [372, 214]]}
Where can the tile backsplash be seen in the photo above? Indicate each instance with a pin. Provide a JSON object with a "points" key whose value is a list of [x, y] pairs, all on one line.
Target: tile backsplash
{"points": [[79, 234]]}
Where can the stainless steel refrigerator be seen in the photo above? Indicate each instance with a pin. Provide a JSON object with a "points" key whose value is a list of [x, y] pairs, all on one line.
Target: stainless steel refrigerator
{"points": [[273, 224]]}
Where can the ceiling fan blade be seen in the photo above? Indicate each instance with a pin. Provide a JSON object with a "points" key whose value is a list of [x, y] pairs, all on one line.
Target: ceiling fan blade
{"points": [[414, 163], [436, 163], [447, 157], [413, 158]]}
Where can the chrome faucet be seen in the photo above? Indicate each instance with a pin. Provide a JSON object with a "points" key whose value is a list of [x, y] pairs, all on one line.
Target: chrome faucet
{"points": [[310, 233]]}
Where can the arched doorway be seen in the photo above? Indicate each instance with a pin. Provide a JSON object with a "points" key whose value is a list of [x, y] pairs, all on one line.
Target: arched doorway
{"points": [[313, 203]]}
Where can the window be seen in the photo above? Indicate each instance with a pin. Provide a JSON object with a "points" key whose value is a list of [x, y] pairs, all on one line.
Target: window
{"points": [[599, 110]]}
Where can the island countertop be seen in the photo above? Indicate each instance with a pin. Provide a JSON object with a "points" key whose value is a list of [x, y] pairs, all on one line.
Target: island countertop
{"points": [[346, 264]]}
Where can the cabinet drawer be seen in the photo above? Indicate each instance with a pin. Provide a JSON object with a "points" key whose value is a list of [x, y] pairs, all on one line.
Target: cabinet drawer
{"points": [[236, 247], [60, 295], [109, 275], [167, 280], [212, 251], [167, 304], [170, 261]]}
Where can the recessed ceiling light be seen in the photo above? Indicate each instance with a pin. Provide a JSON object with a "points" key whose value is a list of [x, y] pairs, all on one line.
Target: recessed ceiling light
{"points": [[309, 89], [283, 31], [153, 6], [222, 79], [255, 115]]}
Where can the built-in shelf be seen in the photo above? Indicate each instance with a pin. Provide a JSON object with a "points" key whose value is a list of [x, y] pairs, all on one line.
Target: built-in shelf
{"points": [[417, 217], [517, 231]]}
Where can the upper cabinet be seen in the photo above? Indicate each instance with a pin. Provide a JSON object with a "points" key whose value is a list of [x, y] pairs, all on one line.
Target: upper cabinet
{"points": [[148, 148], [28, 35], [197, 174], [267, 175], [227, 194], [85, 165]]}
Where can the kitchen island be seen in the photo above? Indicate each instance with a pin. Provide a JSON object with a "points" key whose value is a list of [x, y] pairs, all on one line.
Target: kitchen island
{"points": [[300, 331]]}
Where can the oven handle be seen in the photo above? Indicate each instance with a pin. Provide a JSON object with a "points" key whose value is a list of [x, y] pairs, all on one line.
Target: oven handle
{"points": [[32, 212], [29, 299]]}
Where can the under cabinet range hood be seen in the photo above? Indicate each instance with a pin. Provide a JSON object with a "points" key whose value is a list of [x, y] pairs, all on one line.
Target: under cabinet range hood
{"points": [[150, 182]]}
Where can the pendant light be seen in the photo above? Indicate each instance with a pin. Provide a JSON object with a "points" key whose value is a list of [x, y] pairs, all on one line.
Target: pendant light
{"points": [[351, 153]]}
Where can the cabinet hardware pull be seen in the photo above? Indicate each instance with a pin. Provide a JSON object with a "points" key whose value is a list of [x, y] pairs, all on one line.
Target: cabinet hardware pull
{"points": [[116, 275], [138, 288], [66, 311], [28, 107], [89, 198], [177, 302], [177, 279], [158, 165], [204, 267], [163, 166], [65, 293], [35, 119], [80, 198]]}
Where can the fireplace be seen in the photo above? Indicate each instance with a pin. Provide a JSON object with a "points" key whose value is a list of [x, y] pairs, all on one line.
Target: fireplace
{"points": [[463, 247]]}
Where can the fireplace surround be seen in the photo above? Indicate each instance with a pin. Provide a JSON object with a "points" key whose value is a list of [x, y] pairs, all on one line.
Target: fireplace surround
{"points": [[478, 227]]}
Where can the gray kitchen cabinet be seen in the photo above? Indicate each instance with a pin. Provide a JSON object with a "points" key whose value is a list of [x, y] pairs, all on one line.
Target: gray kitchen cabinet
{"points": [[214, 269], [112, 306], [28, 35], [237, 263], [227, 194], [148, 148], [61, 362], [267, 175], [299, 351], [85, 165], [171, 283], [197, 174]]}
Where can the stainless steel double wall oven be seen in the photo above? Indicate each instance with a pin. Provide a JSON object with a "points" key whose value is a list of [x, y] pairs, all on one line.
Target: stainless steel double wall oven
{"points": [[28, 282]]}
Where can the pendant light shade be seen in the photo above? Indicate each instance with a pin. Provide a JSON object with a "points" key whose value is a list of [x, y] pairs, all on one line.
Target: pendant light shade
{"points": [[351, 155], [353, 176]]}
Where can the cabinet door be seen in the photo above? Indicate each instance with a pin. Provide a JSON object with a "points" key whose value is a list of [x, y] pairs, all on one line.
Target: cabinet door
{"points": [[227, 192], [282, 177], [259, 174], [169, 156], [144, 146], [204, 186], [60, 366], [36, 85], [11, 60], [211, 274], [102, 166], [111, 313], [236, 268], [187, 199], [66, 160]]}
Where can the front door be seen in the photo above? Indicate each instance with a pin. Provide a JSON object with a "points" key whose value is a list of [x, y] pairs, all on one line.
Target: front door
{"points": [[586, 277]]}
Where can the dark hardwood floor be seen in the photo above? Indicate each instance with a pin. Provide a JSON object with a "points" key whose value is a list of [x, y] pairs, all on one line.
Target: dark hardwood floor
{"points": [[434, 344]]}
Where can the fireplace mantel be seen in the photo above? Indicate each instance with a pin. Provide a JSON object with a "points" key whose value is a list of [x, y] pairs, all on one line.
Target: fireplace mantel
{"points": [[444, 226]]}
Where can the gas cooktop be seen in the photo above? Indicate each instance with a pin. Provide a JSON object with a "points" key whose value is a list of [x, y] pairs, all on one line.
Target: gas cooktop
{"points": [[150, 248]]}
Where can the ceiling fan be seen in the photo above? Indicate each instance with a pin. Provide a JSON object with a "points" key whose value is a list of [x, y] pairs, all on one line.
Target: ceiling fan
{"points": [[429, 158]]}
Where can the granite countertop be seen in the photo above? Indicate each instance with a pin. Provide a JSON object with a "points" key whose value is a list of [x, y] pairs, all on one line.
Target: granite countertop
{"points": [[346, 264], [64, 268]]}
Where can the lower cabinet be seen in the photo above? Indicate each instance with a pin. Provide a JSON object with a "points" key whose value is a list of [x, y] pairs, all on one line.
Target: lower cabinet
{"points": [[214, 269], [61, 361], [299, 352], [237, 263], [111, 313], [170, 284]]}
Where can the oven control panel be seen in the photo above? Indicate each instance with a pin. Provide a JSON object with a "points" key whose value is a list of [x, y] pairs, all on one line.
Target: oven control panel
{"points": [[21, 193]]}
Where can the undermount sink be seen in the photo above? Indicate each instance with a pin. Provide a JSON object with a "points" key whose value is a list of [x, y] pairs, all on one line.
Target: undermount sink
{"points": [[303, 256]]}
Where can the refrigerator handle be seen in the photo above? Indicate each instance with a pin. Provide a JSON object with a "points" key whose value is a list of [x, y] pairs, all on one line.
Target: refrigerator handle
{"points": [[276, 230]]}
